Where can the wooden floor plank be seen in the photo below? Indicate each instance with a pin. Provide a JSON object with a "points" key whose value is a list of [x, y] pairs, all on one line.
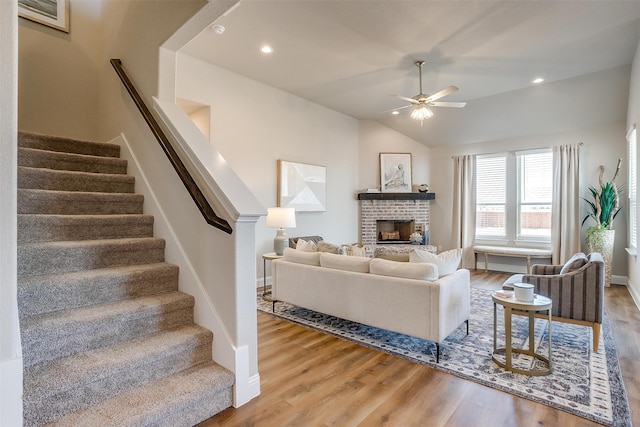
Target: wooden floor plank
{"points": [[313, 379]]}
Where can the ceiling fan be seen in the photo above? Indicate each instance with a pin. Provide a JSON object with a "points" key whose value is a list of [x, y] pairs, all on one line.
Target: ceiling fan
{"points": [[422, 101]]}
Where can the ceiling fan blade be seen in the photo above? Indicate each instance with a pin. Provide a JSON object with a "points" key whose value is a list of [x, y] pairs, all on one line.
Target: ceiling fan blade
{"points": [[395, 109], [448, 104], [444, 92], [411, 100]]}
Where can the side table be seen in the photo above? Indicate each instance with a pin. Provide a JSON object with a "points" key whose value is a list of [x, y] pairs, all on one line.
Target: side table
{"points": [[539, 303], [269, 256]]}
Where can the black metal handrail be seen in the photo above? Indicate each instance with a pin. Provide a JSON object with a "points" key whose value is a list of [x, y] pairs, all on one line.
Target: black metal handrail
{"points": [[186, 178]]}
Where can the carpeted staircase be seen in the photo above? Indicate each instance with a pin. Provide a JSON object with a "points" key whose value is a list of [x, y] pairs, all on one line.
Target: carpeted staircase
{"points": [[107, 338]]}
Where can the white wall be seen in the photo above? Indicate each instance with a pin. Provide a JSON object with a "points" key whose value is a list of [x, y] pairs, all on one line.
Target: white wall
{"points": [[633, 117], [375, 139], [253, 135], [10, 350], [59, 72]]}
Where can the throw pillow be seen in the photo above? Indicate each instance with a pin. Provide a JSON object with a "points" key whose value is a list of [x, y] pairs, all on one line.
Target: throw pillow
{"points": [[301, 257], [328, 247], [341, 262], [392, 254], [354, 249], [447, 261], [385, 267], [576, 262], [305, 246]]}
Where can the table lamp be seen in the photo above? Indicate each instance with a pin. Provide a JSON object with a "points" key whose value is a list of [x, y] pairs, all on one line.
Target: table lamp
{"points": [[281, 218]]}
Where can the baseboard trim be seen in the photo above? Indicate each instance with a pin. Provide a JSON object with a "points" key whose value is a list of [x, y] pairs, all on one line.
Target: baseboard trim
{"points": [[634, 293], [247, 387], [11, 392], [617, 279]]}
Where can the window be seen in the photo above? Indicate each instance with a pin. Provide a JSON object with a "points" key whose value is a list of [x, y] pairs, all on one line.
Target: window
{"points": [[491, 197], [633, 177], [513, 196], [534, 196]]}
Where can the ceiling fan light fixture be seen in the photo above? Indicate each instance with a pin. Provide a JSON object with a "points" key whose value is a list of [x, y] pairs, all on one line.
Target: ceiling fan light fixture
{"points": [[422, 112]]}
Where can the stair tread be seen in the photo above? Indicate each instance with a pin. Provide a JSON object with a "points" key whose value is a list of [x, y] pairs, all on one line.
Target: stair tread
{"points": [[77, 174], [149, 404], [98, 242], [122, 310], [74, 255], [27, 156], [52, 377], [53, 292], [65, 144], [84, 219], [78, 194], [87, 274]]}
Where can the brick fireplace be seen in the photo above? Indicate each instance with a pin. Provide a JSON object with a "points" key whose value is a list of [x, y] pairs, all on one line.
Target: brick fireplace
{"points": [[396, 207]]}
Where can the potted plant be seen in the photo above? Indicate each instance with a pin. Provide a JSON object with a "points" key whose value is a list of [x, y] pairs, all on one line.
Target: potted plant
{"points": [[603, 210]]}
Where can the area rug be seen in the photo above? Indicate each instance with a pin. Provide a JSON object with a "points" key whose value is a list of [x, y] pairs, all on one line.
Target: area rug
{"points": [[583, 383]]}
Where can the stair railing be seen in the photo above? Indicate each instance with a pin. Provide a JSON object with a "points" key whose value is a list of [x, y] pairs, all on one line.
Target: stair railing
{"points": [[192, 187]]}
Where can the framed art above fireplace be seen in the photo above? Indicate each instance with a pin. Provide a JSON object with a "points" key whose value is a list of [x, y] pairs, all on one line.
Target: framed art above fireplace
{"points": [[395, 172]]}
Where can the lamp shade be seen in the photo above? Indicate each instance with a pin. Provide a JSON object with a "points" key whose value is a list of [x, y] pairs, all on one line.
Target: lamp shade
{"points": [[281, 217]]}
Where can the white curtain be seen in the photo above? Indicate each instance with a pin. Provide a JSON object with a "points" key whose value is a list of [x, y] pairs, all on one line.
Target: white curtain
{"points": [[565, 220], [464, 206]]}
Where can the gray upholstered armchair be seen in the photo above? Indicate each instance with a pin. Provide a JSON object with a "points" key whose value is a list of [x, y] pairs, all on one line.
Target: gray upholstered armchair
{"points": [[576, 289]]}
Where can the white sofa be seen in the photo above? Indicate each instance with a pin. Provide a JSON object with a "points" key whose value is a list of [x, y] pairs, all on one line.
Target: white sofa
{"points": [[403, 297]]}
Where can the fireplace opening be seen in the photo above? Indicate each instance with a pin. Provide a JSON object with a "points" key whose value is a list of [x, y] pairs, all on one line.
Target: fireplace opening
{"points": [[391, 231]]}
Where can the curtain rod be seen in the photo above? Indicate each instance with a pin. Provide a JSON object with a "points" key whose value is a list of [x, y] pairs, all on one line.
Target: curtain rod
{"points": [[511, 152]]}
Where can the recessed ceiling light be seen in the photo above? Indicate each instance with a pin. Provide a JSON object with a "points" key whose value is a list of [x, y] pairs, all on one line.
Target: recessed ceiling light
{"points": [[266, 49], [537, 80], [218, 29], [395, 112]]}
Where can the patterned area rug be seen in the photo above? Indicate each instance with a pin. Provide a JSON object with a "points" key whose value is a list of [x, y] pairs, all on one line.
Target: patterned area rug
{"points": [[583, 383]]}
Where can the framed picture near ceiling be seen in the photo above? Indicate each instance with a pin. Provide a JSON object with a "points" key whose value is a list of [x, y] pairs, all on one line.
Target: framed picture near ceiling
{"points": [[395, 172], [52, 13], [302, 186]]}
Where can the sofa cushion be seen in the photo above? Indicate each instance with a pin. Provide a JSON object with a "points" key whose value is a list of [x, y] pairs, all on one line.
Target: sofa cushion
{"points": [[421, 271], [341, 262], [447, 261], [328, 247], [305, 246], [576, 262], [301, 257]]}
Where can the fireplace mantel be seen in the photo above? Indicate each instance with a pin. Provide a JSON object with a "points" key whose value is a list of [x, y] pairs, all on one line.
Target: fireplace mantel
{"points": [[396, 196]]}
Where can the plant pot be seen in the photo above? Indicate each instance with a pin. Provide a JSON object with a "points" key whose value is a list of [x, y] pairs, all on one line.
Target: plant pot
{"points": [[599, 240]]}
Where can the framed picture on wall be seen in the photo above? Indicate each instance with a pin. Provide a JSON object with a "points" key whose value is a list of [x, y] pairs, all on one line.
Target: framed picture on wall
{"points": [[52, 13], [395, 172], [302, 186]]}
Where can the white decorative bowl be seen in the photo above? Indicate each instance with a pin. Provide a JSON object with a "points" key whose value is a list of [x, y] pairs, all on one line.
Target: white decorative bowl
{"points": [[523, 292]]}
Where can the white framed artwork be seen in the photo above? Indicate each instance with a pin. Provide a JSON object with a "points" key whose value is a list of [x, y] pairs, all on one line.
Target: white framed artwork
{"points": [[302, 186], [52, 13], [395, 172]]}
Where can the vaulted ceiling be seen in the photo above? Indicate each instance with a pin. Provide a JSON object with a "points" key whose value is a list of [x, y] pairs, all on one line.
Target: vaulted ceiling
{"points": [[352, 56]]}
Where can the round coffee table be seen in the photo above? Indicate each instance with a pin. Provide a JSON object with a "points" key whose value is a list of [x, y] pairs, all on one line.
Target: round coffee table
{"points": [[539, 303]]}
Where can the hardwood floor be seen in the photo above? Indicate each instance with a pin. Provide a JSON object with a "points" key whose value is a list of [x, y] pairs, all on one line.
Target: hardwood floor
{"points": [[312, 379]]}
